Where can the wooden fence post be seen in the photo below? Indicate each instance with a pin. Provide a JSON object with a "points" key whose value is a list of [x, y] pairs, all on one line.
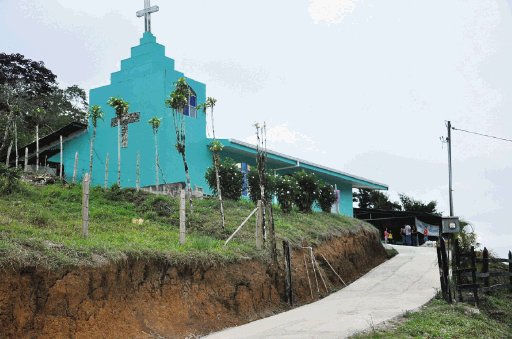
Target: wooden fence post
{"points": [[85, 206], [441, 273], [510, 269], [273, 245], [182, 216], [307, 274], [61, 155], [288, 272], [457, 269], [259, 217], [75, 167], [485, 265], [25, 168], [444, 258], [473, 274]]}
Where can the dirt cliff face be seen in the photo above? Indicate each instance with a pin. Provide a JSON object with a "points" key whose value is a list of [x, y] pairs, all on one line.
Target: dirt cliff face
{"points": [[139, 299]]}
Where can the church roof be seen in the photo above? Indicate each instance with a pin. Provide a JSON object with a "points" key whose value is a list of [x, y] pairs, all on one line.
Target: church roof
{"points": [[242, 151]]}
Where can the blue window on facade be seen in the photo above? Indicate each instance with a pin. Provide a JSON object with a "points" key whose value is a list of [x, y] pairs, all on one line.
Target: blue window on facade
{"points": [[191, 109]]}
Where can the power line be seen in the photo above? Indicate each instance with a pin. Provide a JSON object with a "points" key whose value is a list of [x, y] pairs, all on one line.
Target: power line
{"points": [[481, 134]]}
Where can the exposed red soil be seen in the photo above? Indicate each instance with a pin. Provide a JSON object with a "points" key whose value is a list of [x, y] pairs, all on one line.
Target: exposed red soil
{"points": [[139, 299]]}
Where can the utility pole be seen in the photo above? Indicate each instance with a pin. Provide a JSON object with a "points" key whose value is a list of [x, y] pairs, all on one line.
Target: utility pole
{"points": [[449, 141]]}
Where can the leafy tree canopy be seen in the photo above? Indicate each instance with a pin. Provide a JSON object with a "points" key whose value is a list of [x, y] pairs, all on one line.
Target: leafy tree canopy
{"points": [[368, 198], [374, 199], [29, 95], [412, 205]]}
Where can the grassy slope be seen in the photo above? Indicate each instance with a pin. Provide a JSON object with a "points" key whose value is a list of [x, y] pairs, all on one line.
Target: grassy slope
{"points": [[42, 226], [438, 319]]}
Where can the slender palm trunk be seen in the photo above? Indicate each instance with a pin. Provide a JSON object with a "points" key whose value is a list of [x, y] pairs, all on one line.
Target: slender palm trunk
{"points": [[8, 154], [189, 186], [6, 131], [156, 160], [16, 143], [118, 152], [216, 165], [219, 192], [91, 148], [37, 147]]}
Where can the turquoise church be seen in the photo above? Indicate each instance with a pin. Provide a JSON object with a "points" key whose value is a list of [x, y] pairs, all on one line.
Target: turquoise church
{"points": [[145, 80]]}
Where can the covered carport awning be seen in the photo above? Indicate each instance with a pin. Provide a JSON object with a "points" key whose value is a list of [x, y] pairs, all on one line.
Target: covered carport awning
{"points": [[244, 152], [49, 145]]}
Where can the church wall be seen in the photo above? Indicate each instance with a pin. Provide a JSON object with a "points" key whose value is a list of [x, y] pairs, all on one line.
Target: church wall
{"points": [[144, 81], [345, 203]]}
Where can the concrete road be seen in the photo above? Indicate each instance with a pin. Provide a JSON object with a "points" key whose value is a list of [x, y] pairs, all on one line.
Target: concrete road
{"points": [[405, 282]]}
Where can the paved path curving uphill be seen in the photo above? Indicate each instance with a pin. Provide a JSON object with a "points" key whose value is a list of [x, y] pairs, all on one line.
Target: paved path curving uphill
{"points": [[405, 282]]}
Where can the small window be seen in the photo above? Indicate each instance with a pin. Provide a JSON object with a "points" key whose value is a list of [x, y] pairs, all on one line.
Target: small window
{"points": [[191, 109]]}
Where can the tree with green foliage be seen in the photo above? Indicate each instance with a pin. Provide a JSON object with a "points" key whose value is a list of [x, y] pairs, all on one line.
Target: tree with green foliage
{"points": [[215, 147], [22, 83], [230, 179], [286, 189], [308, 190], [253, 179], [326, 196], [178, 101], [25, 87], [374, 199], [9, 179], [412, 205], [155, 123], [121, 109], [95, 114], [467, 236]]}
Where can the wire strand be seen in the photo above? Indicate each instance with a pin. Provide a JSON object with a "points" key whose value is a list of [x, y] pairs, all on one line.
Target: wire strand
{"points": [[481, 134]]}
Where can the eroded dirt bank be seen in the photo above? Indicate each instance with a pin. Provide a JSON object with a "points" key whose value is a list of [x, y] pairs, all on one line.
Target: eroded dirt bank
{"points": [[139, 299]]}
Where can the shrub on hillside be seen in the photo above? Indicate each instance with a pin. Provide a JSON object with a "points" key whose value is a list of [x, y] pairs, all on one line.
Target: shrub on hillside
{"points": [[115, 193], [326, 196], [308, 190], [231, 179], [253, 179], [286, 190], [9, 179], [157, 206]]}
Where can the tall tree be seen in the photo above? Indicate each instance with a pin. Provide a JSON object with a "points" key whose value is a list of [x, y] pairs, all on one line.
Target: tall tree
{"points": [[155, 124], [178, 101], [412, 205], [96, 113], [22, 81], [121, 109], [368, 198], [215, 147]]}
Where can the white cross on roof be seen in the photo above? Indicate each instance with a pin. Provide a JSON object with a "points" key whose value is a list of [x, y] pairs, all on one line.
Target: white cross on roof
{"points": [[146, 13]]}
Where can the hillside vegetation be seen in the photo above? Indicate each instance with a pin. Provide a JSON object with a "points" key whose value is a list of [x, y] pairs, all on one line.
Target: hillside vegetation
{"points": [[42, 226], [439, 319]]}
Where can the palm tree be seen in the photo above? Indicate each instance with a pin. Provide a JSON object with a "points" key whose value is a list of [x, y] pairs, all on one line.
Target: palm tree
{"points": [[177, 101], [215, 148], [121, 108], [96, 113], [155, 124]]}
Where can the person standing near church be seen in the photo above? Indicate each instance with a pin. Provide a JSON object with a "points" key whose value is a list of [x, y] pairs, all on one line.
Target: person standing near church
{"points": [[408, 235], [386, 235], [425, 234]]}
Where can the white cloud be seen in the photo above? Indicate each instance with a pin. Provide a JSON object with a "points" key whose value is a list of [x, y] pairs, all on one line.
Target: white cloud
{"points": [[282, 134], [330, 11]]}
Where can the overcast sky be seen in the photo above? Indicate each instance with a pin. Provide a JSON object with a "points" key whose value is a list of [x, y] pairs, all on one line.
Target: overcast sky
{"points": [[364, 86]]}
